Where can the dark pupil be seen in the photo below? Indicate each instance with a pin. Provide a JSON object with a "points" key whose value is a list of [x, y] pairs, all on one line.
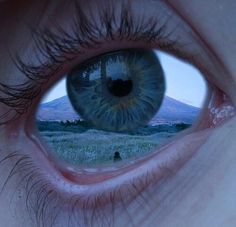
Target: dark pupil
{"points": [[119, 87]]}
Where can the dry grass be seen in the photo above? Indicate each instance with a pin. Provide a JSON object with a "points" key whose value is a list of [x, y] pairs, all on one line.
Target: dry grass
{"points": [[97, 147]]}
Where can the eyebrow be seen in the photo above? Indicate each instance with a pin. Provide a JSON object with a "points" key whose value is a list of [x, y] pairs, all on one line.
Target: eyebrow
{"points": [[56, 48]]}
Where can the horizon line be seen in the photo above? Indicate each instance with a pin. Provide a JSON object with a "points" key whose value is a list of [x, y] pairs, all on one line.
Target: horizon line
{"points": [[46, 102]]}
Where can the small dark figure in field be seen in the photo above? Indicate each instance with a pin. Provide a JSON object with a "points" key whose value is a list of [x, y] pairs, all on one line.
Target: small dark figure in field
{"points": [[117, 157]]}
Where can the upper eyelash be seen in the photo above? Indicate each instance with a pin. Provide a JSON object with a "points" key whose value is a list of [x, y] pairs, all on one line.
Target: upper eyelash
{"points": [[53, 50]]}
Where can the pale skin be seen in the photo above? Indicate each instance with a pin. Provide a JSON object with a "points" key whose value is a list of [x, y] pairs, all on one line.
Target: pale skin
{"points": [[200, 189]]}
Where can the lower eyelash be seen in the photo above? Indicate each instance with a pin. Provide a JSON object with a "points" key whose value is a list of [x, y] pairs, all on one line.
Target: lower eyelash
{"points": [[44, 204]]}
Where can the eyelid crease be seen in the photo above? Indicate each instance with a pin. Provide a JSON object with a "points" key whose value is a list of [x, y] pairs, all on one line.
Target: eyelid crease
{"points": [[53, 50]]}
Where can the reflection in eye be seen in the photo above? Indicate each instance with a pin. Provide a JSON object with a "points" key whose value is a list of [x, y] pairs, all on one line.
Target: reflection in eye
{"points": [[76, 136], [119, 91]]}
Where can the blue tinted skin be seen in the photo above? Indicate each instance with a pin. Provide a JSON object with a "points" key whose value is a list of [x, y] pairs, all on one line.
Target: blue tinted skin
{"points": [[200, 193]]}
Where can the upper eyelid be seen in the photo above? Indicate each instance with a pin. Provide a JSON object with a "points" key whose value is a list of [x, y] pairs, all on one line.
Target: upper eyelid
{"points": [[87, 34], [54, 50]]}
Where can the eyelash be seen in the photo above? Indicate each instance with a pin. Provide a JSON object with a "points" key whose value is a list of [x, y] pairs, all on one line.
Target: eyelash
{"points": [[53, 51]]}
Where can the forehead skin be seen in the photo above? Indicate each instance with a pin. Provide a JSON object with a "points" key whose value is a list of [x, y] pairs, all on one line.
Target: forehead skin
{"points": [[203, 192]]}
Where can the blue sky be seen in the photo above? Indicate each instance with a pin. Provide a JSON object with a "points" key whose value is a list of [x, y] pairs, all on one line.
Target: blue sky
{"points": [[183, 82]]}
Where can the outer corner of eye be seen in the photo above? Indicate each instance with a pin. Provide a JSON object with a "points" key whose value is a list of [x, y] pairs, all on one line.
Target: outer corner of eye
{"points": [[119, 107]]}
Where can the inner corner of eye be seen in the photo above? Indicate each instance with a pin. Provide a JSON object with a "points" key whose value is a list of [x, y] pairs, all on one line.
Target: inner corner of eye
{"points": [[119, 107]]}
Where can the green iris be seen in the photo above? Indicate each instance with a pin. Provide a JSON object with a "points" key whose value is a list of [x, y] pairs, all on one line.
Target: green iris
{"points": [[118, 91]]}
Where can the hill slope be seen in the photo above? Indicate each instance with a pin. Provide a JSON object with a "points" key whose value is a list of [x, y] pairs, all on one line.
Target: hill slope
{"points": [[171, 111]]}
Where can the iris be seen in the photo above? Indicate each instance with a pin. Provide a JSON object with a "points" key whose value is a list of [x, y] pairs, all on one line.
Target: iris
{"points": [[118, 91]]}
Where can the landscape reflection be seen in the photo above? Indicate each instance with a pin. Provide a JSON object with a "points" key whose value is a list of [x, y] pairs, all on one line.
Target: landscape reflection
{"points": [[77, 142]]}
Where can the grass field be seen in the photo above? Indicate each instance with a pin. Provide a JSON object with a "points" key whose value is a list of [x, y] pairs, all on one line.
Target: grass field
{"points": [[93, 147]]}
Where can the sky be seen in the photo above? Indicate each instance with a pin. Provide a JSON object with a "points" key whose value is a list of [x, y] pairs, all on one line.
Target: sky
{"points": [[183, 82]]}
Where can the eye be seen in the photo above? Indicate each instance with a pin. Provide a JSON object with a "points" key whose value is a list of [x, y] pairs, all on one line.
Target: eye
{"points": [[115, 109], [80, 164]]}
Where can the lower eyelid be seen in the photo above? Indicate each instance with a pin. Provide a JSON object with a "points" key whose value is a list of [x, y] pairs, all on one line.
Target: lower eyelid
{"points": [[154, 168]]}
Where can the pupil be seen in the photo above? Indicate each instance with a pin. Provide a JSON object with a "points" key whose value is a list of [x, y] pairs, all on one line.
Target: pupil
{"points": [[119, 87]]}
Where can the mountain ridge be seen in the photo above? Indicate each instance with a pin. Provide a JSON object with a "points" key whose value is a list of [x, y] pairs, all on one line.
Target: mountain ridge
{"points": [[172, 110]]}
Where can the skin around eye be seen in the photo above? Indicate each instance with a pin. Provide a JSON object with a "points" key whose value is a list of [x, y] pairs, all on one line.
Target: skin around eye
{"points": [[207, 177]]}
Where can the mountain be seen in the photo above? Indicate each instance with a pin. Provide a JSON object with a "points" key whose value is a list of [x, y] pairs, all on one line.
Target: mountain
{"points": [[171, 111], [57, 110], [175, 111]]}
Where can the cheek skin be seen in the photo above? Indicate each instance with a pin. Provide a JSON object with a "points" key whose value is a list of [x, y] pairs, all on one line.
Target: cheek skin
{"points": [[210, 195]]}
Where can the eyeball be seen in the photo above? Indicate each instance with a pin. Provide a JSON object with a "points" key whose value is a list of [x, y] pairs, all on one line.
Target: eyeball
{"points": [[119, 107]]}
